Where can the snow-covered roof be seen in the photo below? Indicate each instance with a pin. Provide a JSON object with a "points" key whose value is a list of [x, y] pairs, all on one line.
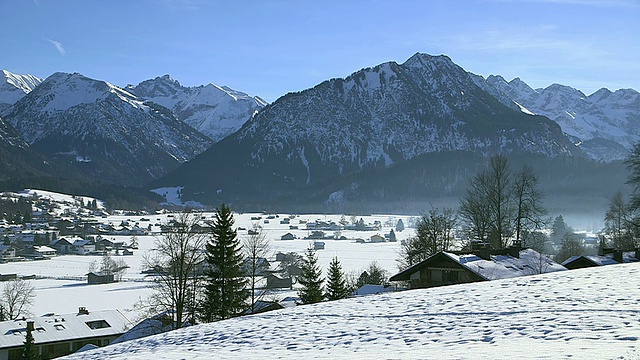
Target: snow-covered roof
{"points": [[530, 262], [53, 328], [371, 289], [600, 260], [43, 249]]}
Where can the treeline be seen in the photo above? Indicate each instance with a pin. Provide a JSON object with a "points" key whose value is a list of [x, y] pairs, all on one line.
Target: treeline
{"points": [[115, 197]]}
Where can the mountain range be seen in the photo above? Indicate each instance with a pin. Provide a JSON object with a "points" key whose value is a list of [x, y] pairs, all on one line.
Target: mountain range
{"points": [[396, 134], [403, 133], [605, 124]]}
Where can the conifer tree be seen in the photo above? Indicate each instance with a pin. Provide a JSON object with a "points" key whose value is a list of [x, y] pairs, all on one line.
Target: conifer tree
{"points": [[336, 282], [30, 351], [310, 279], [225, 294]]}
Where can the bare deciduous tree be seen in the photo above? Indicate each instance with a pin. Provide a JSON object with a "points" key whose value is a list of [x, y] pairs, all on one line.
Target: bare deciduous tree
{"points": [[619, 224], [257, 248], [499, 206], [175, 262], [17, 299], [530, 215], [434, 233]]}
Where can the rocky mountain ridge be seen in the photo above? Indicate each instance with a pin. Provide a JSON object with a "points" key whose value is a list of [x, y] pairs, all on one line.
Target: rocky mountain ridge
{"points": [[213, 110], [604, 124]]}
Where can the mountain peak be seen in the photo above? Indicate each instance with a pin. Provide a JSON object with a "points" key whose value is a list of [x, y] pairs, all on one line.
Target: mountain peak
{"points": [[14, 87], [421, 59]]}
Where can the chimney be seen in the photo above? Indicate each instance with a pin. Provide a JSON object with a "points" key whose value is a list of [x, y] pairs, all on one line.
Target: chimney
{"points": [[514, 249], [484, 253], [617, 256], [30, 325], [83, 311]]}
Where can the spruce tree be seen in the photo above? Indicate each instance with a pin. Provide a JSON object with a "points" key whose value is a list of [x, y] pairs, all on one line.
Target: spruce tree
{"points": [[30, 351], [336, 282], [225, 294], [310, 279]]}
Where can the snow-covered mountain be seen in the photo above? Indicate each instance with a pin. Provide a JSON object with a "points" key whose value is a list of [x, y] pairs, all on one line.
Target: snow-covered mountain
{"points": [[213, 110], [581, 314], [14, 87], [604, 124], [108, 132], [16, 157], [370, 121]]}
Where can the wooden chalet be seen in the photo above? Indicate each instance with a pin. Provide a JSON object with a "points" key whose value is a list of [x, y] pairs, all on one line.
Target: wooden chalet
{"points": [[438, 270]]}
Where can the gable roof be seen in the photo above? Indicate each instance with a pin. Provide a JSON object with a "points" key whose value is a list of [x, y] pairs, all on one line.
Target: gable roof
{"points": [[54, 328], [529, 262], [437, 257], [600, 260]]}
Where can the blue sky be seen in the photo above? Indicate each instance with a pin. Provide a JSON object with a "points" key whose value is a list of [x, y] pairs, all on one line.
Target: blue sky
{"points": [[271, 47]]}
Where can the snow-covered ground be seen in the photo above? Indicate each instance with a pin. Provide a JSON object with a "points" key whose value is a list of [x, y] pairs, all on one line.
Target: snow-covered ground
{"points": [[581, 314], [61, 285]]}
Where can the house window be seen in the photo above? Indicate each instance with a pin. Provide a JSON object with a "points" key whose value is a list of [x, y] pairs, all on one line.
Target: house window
{"points": [[97, 324]]}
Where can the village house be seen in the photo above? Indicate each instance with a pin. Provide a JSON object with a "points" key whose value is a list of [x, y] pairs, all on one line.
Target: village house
{"points": [[59, 335], [445, 268], [261, 306], [613, 258], [288, 236], [83, 247], [7, 253], [275, 281], [62, 245], [262, 266], [100, 278], [45, 251]]}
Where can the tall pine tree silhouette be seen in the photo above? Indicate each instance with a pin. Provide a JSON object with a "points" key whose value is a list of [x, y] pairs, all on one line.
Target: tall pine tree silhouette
{"points": [[336, 282], [225, 294], [310, 279]]}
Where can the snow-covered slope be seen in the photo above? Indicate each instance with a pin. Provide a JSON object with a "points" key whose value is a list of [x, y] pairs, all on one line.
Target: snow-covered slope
{"points": [[14, 87], [582, 314], [604, 124], [17, 159], [213, 110], [116, 135]]}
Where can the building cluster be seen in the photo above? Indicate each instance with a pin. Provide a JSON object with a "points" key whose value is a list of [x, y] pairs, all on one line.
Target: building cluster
{"points": [[47, 235]]}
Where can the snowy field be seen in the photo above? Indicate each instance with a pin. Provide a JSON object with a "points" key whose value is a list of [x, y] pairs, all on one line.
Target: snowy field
{"points": [[581, 314], [61, 285]]}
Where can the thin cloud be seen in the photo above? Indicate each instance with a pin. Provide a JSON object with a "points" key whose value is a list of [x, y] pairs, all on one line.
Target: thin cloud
{"points": [[58, 46]]}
